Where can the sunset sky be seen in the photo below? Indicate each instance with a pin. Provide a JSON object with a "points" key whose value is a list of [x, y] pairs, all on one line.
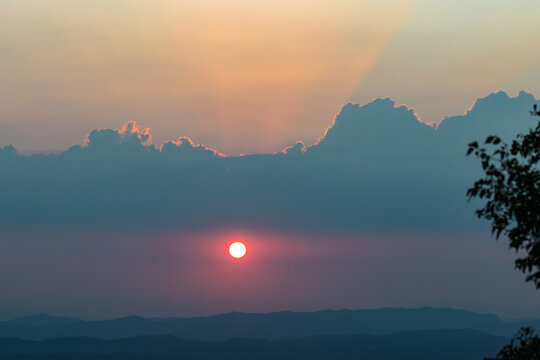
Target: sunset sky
{"points": [[249, 77], [146, 106]]}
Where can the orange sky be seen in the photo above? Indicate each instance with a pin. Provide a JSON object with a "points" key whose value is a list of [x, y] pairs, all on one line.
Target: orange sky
{"points": [[243, 76]]}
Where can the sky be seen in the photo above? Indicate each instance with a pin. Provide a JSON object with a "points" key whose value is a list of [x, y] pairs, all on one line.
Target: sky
{"points": [[139, 138], [249, 77], [372, 215]]}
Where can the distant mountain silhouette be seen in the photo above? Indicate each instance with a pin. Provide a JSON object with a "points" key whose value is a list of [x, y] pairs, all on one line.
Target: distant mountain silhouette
{"points": [[42, 319], [266, 326], [418, 345]]}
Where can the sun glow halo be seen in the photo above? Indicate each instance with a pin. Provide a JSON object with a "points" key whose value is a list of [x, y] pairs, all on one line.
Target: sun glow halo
{"points": [[237, 250]]}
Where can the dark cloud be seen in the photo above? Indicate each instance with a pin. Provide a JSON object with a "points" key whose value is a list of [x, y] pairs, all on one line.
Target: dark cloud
{"points": [[376, 167], [497, 113], [185, 149], [297, 149], [378, 125], [8, 151], [130, 137]]}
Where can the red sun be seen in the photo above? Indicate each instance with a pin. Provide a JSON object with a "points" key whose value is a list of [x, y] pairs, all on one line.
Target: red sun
{"points": [[237, 250]]}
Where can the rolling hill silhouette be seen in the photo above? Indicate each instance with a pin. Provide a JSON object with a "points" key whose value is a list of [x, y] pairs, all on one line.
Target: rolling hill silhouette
{"points": [[432, 345], [265, 326]]}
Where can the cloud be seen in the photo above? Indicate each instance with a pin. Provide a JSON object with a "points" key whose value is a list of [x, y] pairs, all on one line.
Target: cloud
{"points": [[497, 113], [187, 150], [8, 151], [130, 137], [376, 167], [376, 133], [378, 122], [294, 150]]}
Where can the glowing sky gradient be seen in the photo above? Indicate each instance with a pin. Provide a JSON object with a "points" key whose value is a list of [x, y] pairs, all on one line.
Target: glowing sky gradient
{"points": [[374, 215], [183, 273], [123, 226], [243, 76]]}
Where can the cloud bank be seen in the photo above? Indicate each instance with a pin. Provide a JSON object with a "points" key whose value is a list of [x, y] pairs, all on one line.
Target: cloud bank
{"points": [[377, 166]]}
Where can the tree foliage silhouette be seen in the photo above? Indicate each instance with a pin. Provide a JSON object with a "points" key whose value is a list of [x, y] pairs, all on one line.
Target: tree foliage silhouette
{"points": [[511, 187], [525, 345]]}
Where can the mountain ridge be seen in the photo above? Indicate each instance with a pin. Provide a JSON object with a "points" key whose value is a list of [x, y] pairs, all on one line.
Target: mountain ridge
{"points": [[274, 325], [433, 345]]}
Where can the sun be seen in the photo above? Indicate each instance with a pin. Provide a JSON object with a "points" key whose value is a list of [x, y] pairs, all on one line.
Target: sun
{"points": [[237, 250]]}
